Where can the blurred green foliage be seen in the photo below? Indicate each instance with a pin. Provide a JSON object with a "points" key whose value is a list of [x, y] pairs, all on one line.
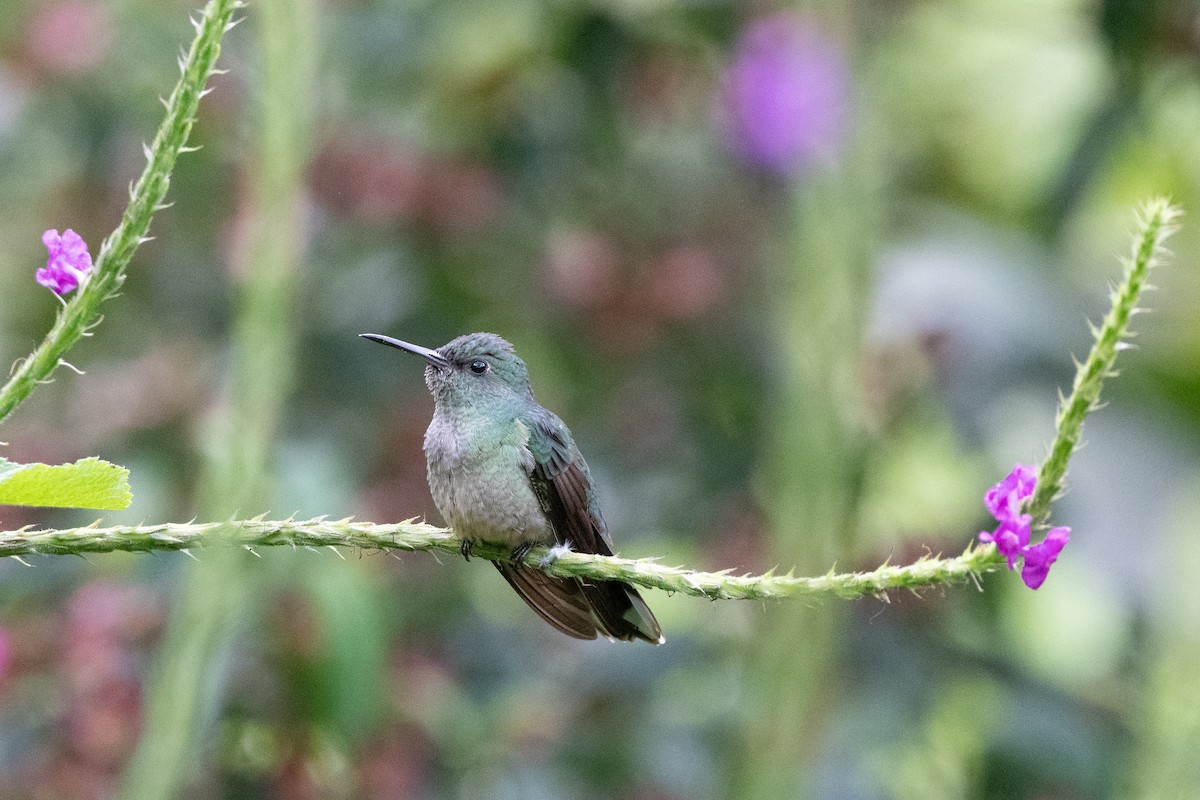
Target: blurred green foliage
{"points": [[557, 172]]}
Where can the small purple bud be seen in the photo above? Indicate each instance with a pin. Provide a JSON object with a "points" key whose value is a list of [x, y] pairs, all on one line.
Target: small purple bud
{"points": [[68, 264], [787, 94]]}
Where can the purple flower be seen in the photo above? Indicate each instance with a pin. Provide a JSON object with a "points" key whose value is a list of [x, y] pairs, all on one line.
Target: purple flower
{"points": [[1039, 557], [1011, 536], [786, 95], [1004, 499], [69, 261]]}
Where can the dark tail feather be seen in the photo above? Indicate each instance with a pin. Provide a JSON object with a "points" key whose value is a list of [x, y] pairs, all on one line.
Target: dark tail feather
{"points": [[621, 611], [584, 608], [559, 601]]}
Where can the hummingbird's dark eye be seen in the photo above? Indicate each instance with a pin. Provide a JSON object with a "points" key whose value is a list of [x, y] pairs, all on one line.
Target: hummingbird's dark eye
{"points": [[479, 366]]}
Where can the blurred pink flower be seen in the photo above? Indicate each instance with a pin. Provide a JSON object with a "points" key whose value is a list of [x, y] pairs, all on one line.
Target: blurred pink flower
{"points": [[379, 180], [69, 261], [687, 282], [582, 267], [5, 653], [462, 197], [787, 94], [107, 626], [70, 37], [384, 180]]}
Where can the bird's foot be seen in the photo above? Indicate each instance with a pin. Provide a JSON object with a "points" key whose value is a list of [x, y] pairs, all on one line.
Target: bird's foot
{"points": [[465, 549], [520, 551]]}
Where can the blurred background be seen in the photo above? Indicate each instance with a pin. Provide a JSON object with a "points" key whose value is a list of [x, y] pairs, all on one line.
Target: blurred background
{"points": [[803, 281]]}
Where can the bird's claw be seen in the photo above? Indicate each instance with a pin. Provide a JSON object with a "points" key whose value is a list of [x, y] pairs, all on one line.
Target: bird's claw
{"points": [[520, 551], [465, 549]]}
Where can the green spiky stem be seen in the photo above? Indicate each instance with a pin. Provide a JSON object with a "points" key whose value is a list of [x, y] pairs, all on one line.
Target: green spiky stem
{"points": [[81, 312], [417, 536], [1156, 221]]}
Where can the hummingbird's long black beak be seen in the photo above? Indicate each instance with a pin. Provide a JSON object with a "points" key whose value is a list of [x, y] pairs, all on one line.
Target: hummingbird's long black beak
{"points": [[432, 356]]}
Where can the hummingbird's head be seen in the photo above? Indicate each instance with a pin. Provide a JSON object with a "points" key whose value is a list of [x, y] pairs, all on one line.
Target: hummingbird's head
{"points": [[475, 368]]}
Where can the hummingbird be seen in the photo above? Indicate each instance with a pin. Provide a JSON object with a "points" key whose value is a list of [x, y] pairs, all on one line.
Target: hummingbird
{"points": [[504, 470]]}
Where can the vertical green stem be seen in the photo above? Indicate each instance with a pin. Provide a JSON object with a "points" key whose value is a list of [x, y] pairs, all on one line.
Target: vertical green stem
{"points": [[810, 477], [184, 695], [1163, 763]]}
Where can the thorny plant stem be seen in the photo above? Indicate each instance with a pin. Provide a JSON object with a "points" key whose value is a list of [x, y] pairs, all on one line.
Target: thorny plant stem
{"points": [[1156, 221], [81, 312], [417, 536]]}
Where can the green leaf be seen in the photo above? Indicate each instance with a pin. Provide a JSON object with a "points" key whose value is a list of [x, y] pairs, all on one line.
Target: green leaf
{"points": [[88, 483]]}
